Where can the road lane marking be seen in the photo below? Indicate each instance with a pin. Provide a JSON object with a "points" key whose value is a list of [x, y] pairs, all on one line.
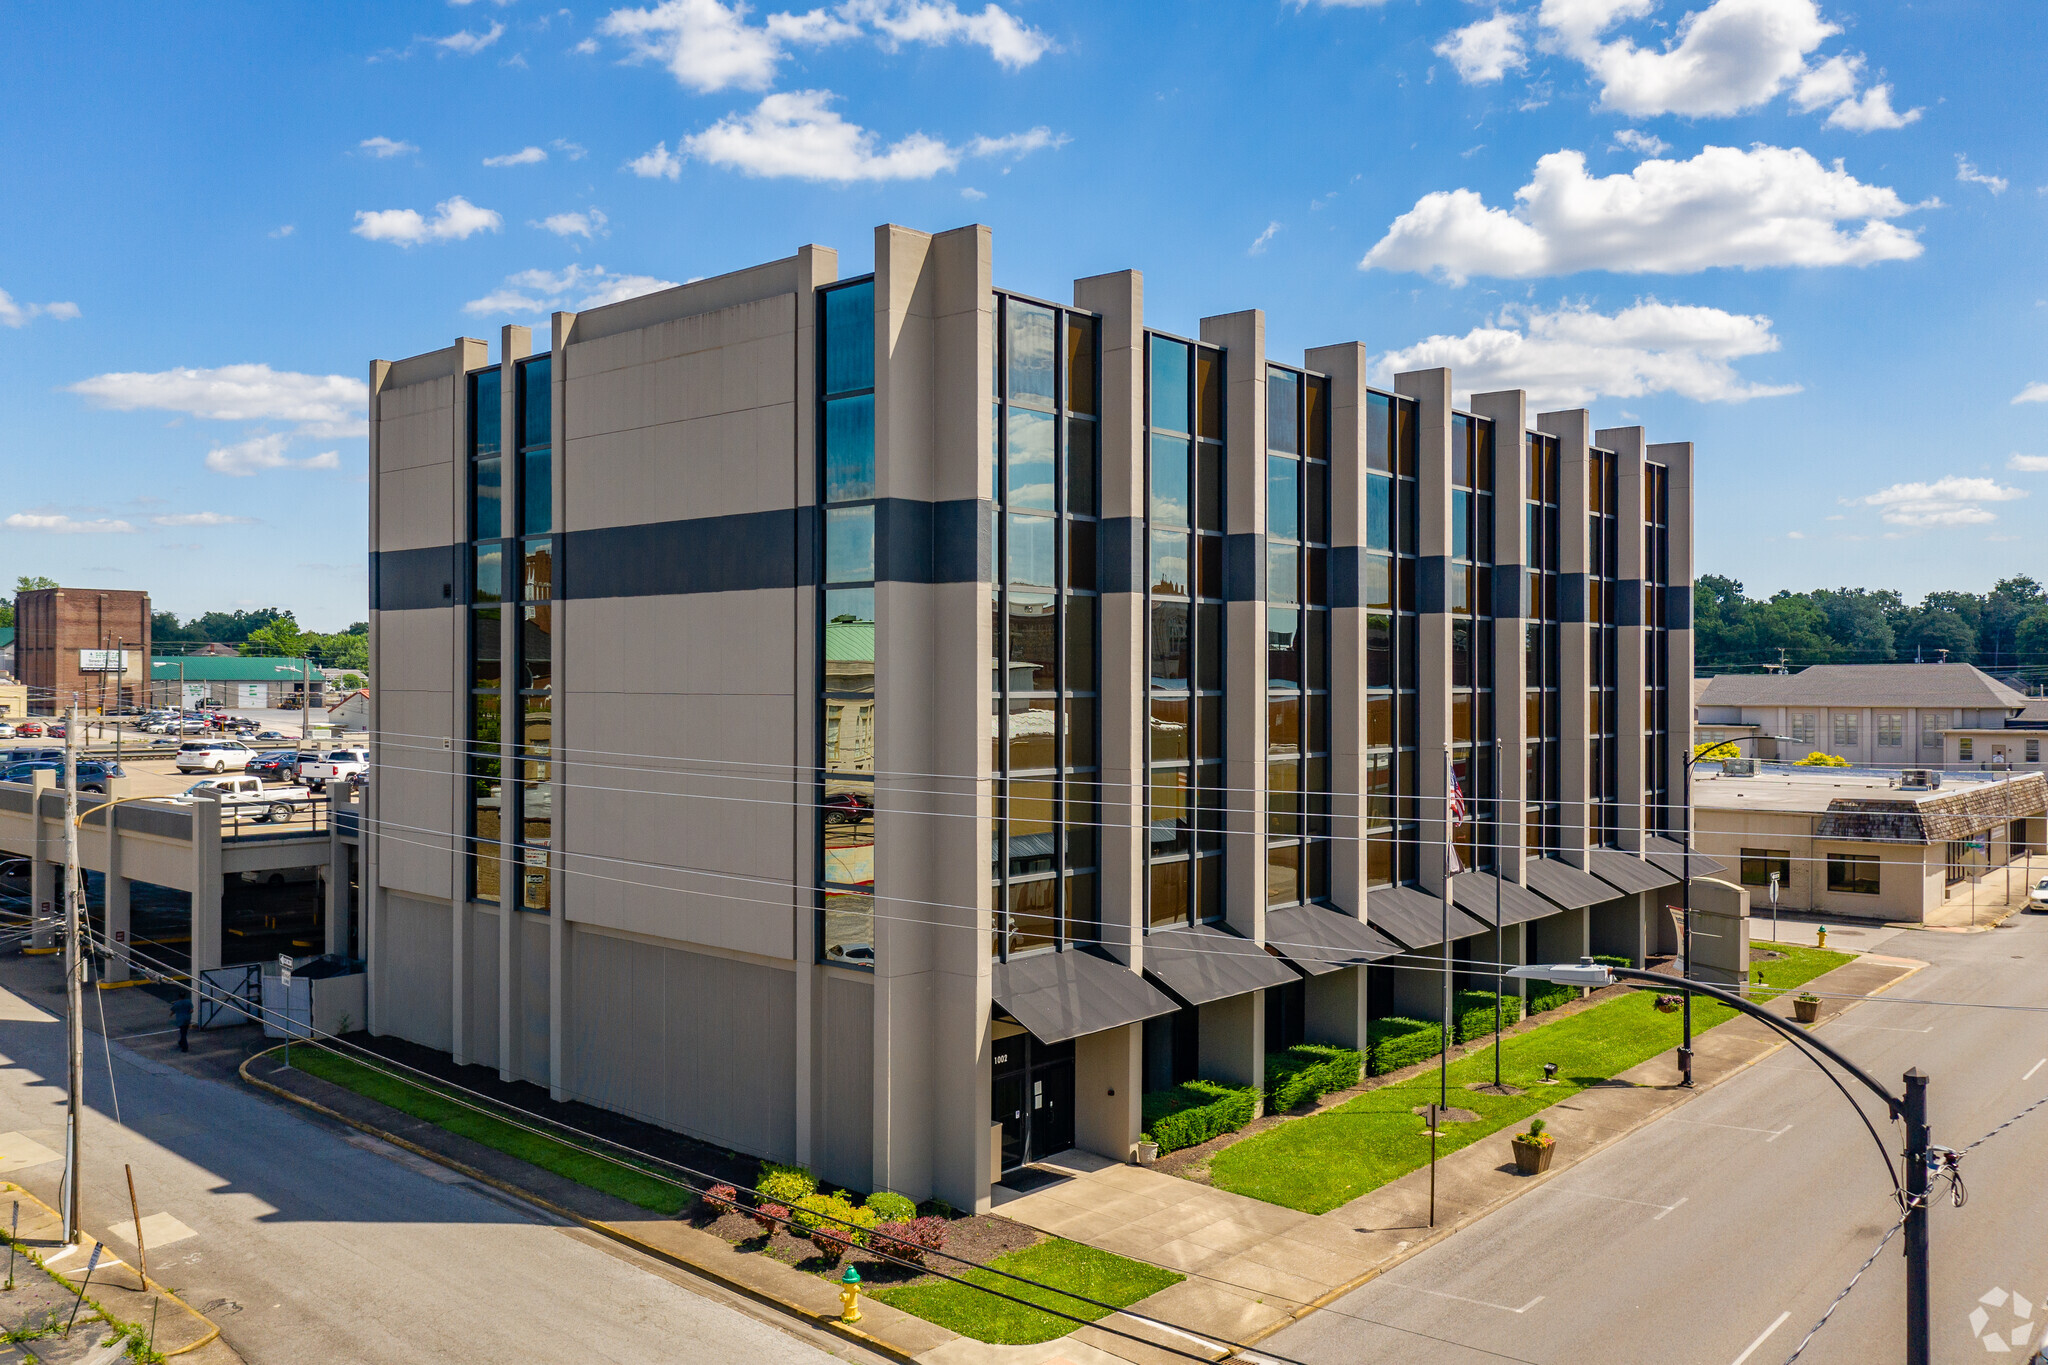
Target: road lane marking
{"points": [[1619, 1200], [2035, 1067], [1751, 1350], [1482, 1303], [1773, 1134], [1880, 1028]]}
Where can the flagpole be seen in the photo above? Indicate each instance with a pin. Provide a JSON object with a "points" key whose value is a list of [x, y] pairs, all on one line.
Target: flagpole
{"points": [[1443, 1068]]}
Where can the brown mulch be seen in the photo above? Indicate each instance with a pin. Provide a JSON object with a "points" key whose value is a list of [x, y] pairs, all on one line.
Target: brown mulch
{"points": [[978, 1239], [1192, 1163]]}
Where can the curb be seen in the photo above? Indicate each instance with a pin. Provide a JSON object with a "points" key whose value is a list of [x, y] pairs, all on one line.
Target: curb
{"points": [[822, 1321], [153, 1285], [1527, 1186]]}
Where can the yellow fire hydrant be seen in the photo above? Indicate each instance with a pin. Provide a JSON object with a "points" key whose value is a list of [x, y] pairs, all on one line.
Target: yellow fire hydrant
{"points": [[849, 1295], [1820, 933]]}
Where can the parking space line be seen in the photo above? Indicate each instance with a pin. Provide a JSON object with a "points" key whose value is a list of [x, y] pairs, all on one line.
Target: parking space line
{"points": [[1641, 1202], [1482, 1303], [2035, 1067], [1879, 1028], [1762, 1338], [1771, 1134]]}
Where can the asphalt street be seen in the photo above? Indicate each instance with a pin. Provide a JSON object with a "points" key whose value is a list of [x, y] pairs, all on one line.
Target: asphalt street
{"points": [[316, 1244], [1718, 1235]]}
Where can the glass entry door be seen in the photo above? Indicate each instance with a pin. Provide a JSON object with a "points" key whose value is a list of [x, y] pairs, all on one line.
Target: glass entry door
{"points": [[1032, 1096]]}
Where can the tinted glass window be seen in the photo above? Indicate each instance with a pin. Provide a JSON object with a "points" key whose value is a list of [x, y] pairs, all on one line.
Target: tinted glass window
{"points": [[1169, 385], [850, 338]]}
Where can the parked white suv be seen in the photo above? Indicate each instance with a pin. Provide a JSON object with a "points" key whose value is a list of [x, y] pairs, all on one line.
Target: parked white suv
{"points": [[213, 755], [338, 766], [2037, 897]]}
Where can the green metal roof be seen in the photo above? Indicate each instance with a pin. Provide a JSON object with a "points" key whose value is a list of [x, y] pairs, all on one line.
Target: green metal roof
{"points": [[215, 668], [6, 636], [849, 642]]}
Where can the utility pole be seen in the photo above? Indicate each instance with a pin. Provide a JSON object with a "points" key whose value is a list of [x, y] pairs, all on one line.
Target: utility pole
{"points": [[1919, 1322], [305, 700], [74, 972]]}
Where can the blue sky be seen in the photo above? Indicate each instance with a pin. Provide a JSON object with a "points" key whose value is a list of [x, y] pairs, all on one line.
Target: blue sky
{"points": [[1805, 236]]}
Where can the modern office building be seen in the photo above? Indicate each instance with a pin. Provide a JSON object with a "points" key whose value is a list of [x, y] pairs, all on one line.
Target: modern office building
{"points": [[85, 647], [892, 723]]}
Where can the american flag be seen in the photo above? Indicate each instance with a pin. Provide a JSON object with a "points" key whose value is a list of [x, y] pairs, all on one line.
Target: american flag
{"points": [[1457, 802]]}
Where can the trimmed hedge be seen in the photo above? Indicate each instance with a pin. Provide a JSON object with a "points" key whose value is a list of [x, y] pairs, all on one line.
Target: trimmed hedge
{"points": [[1550, 997], [1307, 1072], [778, 1184], [1194, 1111], [891, 1207], [832, 1211], [1473, 1011], [1393, 1043], [1610, 961]]}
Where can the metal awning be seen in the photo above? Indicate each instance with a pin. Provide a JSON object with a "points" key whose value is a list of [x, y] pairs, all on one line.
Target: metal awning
{"points": [[1625, 872], [1204, 963], [1318, 940], [1474, 891], [1669, 855], [1563, 885], [1067, 994], [1415, 918]]}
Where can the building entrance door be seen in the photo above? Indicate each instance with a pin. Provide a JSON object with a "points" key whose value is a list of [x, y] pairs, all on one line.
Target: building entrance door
{"points": [[1032, 1096]]}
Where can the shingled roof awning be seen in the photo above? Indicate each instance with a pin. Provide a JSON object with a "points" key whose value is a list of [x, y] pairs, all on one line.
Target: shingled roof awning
{"points": [[1565, 886], [1625, 872], [1475, 891], [1669, 855], [1068, 994], [1415, 918], [1201, 963], [1319, 940]]}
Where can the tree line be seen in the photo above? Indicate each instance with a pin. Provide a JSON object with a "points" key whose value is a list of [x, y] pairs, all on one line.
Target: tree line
{"points": [[2005, 628]]}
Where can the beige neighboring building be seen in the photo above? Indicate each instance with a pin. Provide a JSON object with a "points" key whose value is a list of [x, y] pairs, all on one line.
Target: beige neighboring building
{"points": [[1864, 847], [13, 699], [1874, 715]]}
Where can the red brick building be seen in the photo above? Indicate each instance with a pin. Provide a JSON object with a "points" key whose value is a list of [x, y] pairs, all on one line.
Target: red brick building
{"points": [[58, 631]]}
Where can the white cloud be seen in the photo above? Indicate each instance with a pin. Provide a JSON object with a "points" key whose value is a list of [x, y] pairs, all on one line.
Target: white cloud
{"points": [[586, 48], [587, 224], [287, 230], [708, 46], [1484, 51], [1570, 356], [1827, 82], [60, 524], [1018, 145], [382, 147], [971, 193], [1768, 206], [1970, 175], [1954, 500], [525, 156], [2032, 393], [573, 150], [454, 220], [540, 291], [796, 133], [465, 43], [658, 164], [1795, 535], [1259, 243], [2028, 464], [323, 404], [15, 314], [1649, 144], [244, 458], [201, 519], [1871, 112]]}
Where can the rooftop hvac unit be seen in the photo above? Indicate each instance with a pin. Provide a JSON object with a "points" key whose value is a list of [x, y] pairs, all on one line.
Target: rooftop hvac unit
{"points": [[1738, 767], [1919, 779]]}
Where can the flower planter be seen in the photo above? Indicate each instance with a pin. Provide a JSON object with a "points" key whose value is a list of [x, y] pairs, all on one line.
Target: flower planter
{"points": [[1806, 1011], [1148, 1152], [1533, 1158]]}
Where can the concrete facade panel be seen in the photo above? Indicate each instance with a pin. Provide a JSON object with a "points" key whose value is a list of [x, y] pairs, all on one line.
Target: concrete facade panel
{"points": [[410, 971], [416, 794]]}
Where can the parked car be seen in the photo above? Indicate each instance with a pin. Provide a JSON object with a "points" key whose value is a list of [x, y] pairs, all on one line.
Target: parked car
{"points": [[55, 731], [336, 766], [847, 808], [213, 755], [2037, 897], [273, 734], [267, 803], [6, 730], [92, 773], [277, 765], [29, 729]]}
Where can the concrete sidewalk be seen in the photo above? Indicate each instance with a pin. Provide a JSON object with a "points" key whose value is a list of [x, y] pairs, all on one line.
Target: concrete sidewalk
{"points": [[1253, 1267]]}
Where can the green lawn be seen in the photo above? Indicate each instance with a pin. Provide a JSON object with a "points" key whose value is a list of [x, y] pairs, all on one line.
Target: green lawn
{"points": [[414, 1097], [1058, 1263], [1319, 1162]]}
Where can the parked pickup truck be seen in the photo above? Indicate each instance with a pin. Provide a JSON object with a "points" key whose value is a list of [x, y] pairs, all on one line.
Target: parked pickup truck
{"points": [[338, 765], [265, 803]]}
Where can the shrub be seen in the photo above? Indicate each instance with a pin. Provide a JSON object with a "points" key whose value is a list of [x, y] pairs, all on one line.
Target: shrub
{"points": [[890, 1207], [1473, 1011], [1194, 1111], [785, 1184], [1609, 960], [1550, 997], [1393, 1043], [832, 1243], [722, 1199], [833, 1211], [769, 1217], [1817, 759], [1307, 1072], [909, 1239]]}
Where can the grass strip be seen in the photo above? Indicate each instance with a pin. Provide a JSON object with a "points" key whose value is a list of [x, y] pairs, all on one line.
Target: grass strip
{"points": [[423, 1101], [1797, 967], [1056, 1263]]}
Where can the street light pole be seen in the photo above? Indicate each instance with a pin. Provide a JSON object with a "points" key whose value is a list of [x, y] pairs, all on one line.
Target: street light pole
{"points": [[74, 971], [1911, 1106]]}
